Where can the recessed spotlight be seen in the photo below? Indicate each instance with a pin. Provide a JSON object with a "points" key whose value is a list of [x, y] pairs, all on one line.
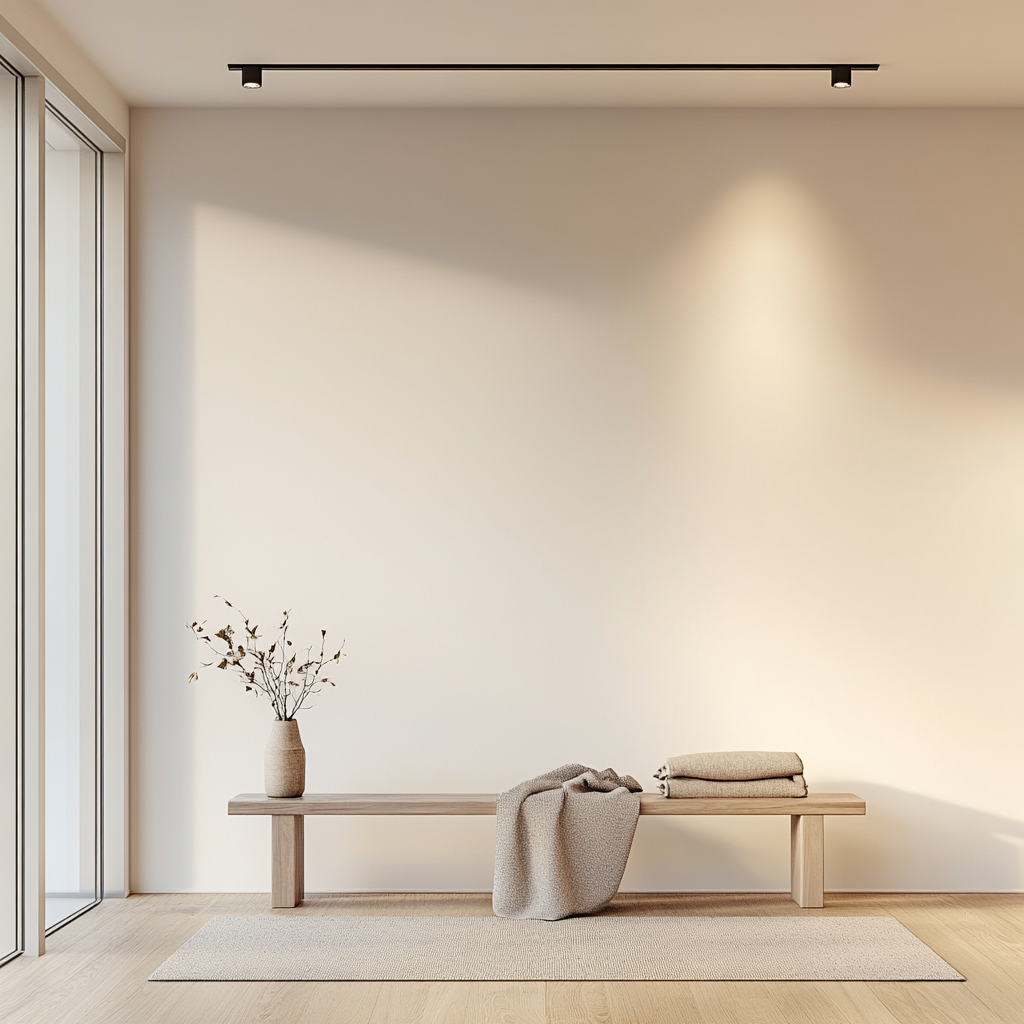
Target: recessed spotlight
{"points": [[252, 77], [841, 78]]}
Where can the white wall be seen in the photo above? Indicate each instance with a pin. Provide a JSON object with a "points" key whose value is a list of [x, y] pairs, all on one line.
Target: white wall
{"points": [[599, 436]]}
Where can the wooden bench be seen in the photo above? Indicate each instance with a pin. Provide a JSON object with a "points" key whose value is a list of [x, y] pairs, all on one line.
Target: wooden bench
{"points": [[807, 826]]}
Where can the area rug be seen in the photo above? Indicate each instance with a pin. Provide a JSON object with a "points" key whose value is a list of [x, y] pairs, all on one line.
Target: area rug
{"points": [[337, 948]]}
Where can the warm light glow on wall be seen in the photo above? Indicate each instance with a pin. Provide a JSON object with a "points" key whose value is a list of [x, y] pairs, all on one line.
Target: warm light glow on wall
{"points": [[760, 315]]}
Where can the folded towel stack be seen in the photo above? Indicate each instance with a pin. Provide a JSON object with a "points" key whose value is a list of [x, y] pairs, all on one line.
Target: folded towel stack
{"points": [[733, 773]]}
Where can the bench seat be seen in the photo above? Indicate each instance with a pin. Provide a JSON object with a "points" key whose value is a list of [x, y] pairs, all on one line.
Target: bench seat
{"points": [[807, 825], [485, 803]]}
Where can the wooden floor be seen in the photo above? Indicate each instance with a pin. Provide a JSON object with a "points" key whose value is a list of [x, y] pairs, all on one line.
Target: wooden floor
{"points": [[96, 968]]}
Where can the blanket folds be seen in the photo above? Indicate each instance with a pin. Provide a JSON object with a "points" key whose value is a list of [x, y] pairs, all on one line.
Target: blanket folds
{"points": [[690, 788], [732, 766], [562, 842]]}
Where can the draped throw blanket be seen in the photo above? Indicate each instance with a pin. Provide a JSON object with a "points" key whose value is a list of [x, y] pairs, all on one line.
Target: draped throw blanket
{"points": [[562, 842]]}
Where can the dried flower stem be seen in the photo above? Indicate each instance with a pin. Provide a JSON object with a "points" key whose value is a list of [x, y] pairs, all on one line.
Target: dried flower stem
{"points": [[268, 671]]}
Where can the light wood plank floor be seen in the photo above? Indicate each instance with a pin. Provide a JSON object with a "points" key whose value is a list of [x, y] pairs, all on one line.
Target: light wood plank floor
{"points": [[96, 968]]}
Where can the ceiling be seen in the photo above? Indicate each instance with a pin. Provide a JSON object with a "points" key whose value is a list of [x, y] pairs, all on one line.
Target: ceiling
{"points": [[173, 53]]}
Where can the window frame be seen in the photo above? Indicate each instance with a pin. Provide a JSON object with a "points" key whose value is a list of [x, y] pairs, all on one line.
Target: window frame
{"points": [[40, 85], [17, 687]]}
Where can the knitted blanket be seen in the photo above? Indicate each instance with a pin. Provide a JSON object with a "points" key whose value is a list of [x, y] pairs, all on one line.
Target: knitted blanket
{"points": [[733, 766], [677, 789], [562, 842]]}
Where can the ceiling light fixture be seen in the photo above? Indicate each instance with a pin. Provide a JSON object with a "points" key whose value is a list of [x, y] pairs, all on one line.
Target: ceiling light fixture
{"points": [[252, 74], [842, 77]]}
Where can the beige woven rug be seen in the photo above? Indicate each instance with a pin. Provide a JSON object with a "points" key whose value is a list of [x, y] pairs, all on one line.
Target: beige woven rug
{"points": [[337, 948]]}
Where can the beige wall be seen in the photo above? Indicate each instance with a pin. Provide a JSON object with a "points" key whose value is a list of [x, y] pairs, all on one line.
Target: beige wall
{"points": [[599, 436]]}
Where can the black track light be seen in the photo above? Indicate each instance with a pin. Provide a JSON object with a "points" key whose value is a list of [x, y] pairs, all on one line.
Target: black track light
{"points": [[842, 77], [252, 74]]}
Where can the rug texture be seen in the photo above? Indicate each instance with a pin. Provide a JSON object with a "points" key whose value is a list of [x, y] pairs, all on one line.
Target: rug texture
{"points": [[336, 948]]}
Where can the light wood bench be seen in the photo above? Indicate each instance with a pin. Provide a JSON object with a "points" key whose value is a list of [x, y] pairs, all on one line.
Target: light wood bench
{"points": [[807, 826]]}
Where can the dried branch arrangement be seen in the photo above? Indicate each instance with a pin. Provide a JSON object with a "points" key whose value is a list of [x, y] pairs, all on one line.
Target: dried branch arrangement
{"points": [[287, 680]]}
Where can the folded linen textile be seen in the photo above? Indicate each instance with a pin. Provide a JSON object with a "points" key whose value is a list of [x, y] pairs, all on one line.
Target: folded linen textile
{"points": [[677, 789], [732, 765], [562, 842]]}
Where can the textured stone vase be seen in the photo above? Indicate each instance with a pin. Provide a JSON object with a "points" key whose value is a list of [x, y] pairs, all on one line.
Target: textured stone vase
{"points": [[284, 761]]}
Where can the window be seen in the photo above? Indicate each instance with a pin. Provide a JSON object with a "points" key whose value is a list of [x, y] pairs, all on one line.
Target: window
{"points": [[73, 679], [63, 508]]}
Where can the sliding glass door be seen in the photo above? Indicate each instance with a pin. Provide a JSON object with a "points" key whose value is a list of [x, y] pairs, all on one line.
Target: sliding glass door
{"points": [[73, 695], [10, 676], [61, 330]]}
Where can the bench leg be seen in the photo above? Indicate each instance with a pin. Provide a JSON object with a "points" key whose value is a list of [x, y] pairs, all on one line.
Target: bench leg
{"points": [[287, 860], [807, 859]]}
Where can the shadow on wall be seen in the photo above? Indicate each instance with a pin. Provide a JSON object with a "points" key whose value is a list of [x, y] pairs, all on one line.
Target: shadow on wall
{"points": [[595, 200], [917, 843], [709, 854], [905, 843], [161, 393]]}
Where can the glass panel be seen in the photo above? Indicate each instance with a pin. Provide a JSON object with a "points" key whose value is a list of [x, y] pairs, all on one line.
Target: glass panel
{"points": [[72, 746], [10, 712]]}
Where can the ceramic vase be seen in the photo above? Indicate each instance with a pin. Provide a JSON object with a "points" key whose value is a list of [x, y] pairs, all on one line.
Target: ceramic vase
{"points": [[284, 761]]}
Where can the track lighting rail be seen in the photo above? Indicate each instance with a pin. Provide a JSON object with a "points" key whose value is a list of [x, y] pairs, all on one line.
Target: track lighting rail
{"points": [[252, 74]]}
